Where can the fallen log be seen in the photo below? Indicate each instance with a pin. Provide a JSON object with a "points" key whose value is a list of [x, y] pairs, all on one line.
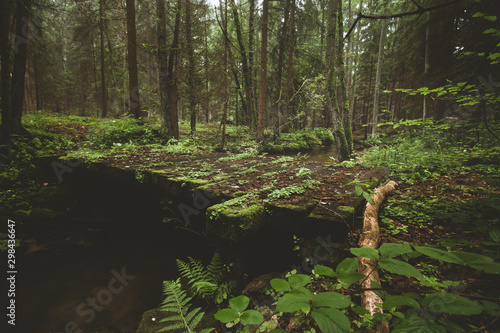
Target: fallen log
{"points": [[370, 237]]}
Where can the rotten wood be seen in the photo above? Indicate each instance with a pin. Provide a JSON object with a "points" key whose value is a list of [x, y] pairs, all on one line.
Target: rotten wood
{"points": [[370, 237]]}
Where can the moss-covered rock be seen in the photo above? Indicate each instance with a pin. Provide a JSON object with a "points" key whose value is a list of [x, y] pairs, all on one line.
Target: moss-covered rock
{"points": [[236, 218]]}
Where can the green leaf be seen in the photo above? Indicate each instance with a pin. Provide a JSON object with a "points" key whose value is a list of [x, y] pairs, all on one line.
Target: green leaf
{"points": [[451, 303], [331, 320], [478, 14], [495, 235], [331, 299], [348, 278], [277, 330], [478, 261], [395, 301], [295, 300], [368, 198], [493, 309], [323, 270], [239, 303], [358, 189], [348, 265], [251, 317], [418, 324], [399, 267], [280, 285], [391, 250], [380, 293], [226, 315], [490, 18], [299, 280], [451, 326], [366, 252], [438, 254]]}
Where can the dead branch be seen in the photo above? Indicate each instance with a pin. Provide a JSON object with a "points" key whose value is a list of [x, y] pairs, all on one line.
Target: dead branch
{"points": [[417, 11], [370, 237]]}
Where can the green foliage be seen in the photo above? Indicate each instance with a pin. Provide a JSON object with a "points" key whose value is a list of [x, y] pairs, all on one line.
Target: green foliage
{"points": [[177, 303], [288, 191], [4, 245], [424, 310], [297, 141], [207, 282], [323, 307], [251, 152], [126, 130], [359, 189], [238, 313]]}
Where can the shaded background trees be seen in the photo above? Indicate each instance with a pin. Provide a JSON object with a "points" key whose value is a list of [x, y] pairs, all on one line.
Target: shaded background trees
{"points": [[80, 58]]}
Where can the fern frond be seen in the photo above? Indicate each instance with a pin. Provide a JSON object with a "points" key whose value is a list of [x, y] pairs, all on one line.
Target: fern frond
{"points": [[177, 303], [207, 330], [216, 267]]}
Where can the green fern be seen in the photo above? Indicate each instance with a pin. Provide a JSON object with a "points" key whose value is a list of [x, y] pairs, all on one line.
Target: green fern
{"points": [[206, 282], [177, 302]]}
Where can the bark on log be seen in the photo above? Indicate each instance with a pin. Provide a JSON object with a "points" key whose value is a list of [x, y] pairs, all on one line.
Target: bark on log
{"points": [[370, 237]]}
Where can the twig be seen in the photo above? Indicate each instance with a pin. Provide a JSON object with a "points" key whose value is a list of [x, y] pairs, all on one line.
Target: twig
{"points": [[420, 10]]}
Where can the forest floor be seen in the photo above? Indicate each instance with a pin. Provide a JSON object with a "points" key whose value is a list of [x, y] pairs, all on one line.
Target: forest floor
{"points": [[446, 198]]}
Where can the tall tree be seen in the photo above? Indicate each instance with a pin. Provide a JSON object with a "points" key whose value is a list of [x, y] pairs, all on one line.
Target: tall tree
{"points": [[192, 76], [226, 81], [331, 91], [289, 69], [135, 101], [278, 99], [163, 68], [247, 74], [263, 72], [104, 90], [378, 74], [23, 10], [251, 38], [5, 19]]}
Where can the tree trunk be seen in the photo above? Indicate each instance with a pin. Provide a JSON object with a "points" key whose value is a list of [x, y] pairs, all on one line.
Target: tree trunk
{"points": [[289, 69], [19, 69], [377, 80], [277, 103], [340, 74], [370, 237], [331, 91], [251, 31], [263, 72], [192, 80], [135, 102], [150, 67], [172, 82], [247, 75], [226, 81], [426, 63], [163, 69], [5, 19], [104, 97]]}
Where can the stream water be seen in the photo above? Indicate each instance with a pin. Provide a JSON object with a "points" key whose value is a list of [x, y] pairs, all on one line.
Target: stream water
{"points": [[99, 268], [92, 277]]}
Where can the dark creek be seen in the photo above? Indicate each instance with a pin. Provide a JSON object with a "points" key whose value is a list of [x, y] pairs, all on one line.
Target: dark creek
{"points": [[100, 266]]}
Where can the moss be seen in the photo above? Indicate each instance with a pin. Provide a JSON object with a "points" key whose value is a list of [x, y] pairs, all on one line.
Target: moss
{"points": [[148, 325], [235, 218], [347, 209]]}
